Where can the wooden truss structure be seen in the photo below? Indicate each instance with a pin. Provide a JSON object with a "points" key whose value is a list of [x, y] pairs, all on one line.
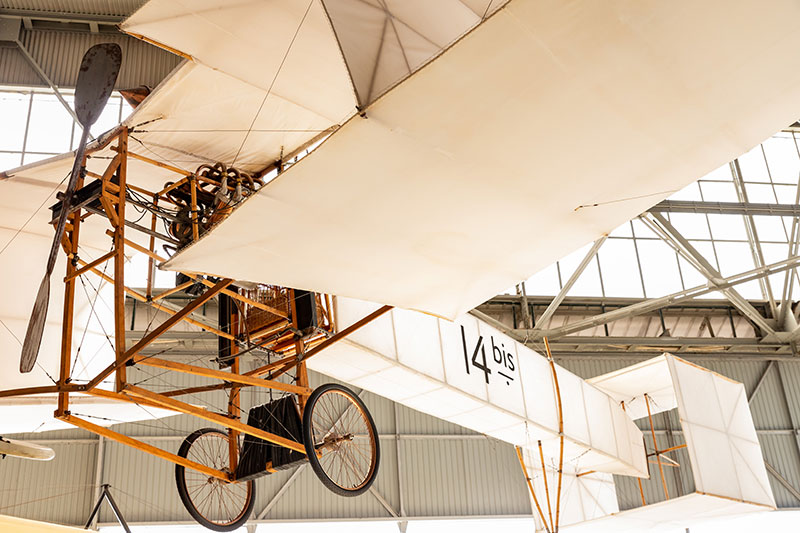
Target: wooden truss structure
{"points": [[550, 524], [280, 337]]}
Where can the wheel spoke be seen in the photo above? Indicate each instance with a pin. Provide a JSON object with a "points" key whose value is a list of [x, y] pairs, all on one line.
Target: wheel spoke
{"points": [[210, 499]]}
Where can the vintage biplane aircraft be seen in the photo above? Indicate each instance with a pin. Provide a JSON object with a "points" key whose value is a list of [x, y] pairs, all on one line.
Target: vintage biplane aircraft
{"points": [[309, 157]]}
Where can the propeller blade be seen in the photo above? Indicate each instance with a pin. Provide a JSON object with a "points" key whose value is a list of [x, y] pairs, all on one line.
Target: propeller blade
{"points": [[33, 336], [96, 77]]}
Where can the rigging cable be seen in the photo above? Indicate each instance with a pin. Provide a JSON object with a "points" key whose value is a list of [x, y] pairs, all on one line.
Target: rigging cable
{"points": [[280, 67], [92, 303]]}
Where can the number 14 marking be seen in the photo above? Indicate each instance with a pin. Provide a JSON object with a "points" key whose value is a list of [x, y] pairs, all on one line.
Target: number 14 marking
{"points": [[504, 358], [479, 347]]}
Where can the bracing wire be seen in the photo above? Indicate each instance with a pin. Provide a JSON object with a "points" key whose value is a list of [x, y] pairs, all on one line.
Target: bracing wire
{"points": [[274, 78]]}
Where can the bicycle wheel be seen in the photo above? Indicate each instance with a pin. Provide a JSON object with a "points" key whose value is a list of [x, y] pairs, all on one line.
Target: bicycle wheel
{"points": [[341, 440], [215, 504]]}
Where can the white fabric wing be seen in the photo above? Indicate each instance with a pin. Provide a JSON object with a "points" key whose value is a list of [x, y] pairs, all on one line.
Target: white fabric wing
{"points": [[468, 373], [544, 127]]}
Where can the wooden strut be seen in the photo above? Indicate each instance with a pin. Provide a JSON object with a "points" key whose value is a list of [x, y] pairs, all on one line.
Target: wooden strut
{"points": [[151, 264], [234, 404], [83, 270], [119, 263], [177, 288], [157, 332], [220, 386], [26, 391], [282, 365], [560, 433], [137, 395], [143, 299], [299, 351], [117, 396], [546, 486], [205, 414], [277, 368], [219, 374], [163, 46], [205, 282], [655, 447], [530, 488], [672, 449], [296, 351], [143, 446], [71, 239]]}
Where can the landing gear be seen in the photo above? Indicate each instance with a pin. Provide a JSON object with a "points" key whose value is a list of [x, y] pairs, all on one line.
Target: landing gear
{"points": [[216, 504], [341, 440]]}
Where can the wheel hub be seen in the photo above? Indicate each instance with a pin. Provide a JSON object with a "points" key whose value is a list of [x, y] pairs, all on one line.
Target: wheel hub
{"points": [[334, 441]]}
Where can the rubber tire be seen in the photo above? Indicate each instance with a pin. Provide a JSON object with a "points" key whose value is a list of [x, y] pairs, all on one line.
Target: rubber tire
{"points": [[308, 440], [180, 481]]}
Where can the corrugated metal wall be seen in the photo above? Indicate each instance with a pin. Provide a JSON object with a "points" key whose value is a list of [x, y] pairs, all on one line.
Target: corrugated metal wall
{"points": [[444, 470], [116, 8], [434, 468], [59, 54], [60, 490]]}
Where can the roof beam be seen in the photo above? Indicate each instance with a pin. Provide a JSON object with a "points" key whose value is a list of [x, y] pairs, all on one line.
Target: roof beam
{"points": [[678, 242], [727, 208], [576, 304], [548, 313], [45, 78], [752, 233], [719, 284], [794, 245], [50, 16]]}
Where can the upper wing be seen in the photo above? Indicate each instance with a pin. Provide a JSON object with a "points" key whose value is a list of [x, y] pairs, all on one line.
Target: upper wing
{"points": [[469, 176], [543, 128]]}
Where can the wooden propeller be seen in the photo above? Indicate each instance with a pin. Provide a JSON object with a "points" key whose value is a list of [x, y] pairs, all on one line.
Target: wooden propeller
{"points": [[96, 77]]}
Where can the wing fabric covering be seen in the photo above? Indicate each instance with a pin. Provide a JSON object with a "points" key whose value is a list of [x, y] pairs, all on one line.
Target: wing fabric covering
{"points": [[471, 174], [385, 41], [470, 374], [276, 74], [25, 235]]}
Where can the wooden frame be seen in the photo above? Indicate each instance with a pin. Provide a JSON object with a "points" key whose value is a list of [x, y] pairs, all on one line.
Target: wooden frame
{"points": [[551, 525], [281, 338]]}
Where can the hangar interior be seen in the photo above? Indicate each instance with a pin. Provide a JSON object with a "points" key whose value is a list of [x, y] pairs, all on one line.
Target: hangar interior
{"points": [[709, 275]]}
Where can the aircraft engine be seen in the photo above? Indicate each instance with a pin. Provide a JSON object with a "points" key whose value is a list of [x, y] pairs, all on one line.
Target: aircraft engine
{"points": [[216, 190]]}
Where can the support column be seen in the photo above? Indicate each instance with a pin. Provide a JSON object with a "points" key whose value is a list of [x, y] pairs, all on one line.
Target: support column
{"points": [[402, 525], [45, 78], [151, 262], [302, 371], [233, 400], [69, 243], [752, 235]]}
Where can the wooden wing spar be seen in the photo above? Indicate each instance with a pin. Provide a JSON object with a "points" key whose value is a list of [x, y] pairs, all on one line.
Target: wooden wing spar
{"points": [[543, 127]]}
